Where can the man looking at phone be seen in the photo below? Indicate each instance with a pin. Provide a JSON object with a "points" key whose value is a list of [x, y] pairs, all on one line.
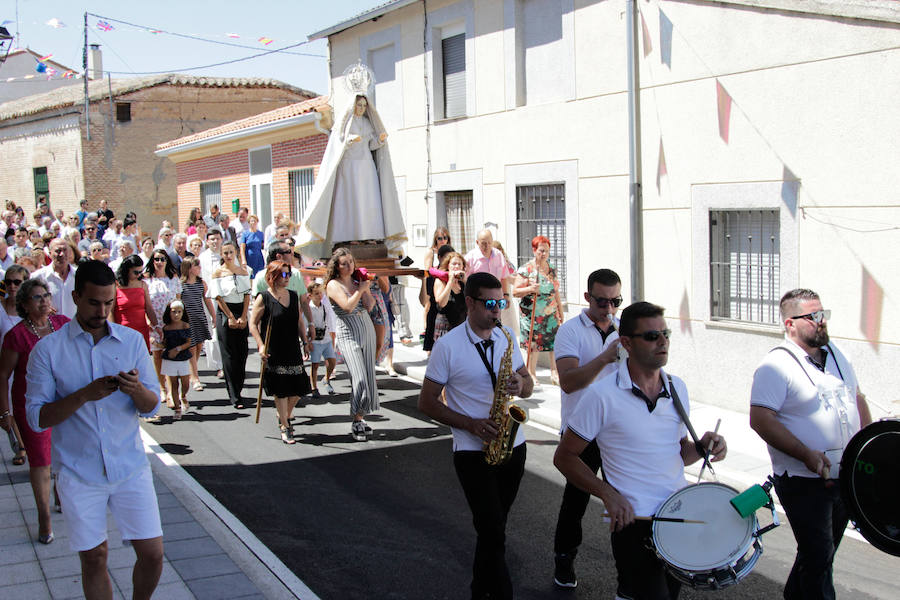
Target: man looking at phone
{"points": [[805, 404], [91, 381]]}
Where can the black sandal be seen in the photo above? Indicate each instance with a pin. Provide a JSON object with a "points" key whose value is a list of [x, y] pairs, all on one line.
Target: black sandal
{"points": [[19, 460]]}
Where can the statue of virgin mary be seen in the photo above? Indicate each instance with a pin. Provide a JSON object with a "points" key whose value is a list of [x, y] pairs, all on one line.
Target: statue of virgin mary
{"points": [[354, 197]]}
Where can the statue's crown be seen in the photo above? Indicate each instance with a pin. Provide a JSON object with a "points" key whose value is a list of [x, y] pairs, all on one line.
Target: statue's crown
{"points": [[358, 77]]}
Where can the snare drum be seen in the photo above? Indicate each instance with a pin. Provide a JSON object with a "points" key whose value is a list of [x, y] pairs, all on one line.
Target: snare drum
{"points": [[870, 483], [711, 555]]}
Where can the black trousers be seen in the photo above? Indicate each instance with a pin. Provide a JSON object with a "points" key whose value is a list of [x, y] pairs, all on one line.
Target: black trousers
{"points": [[234, 347], [818, 519], [641, 575], [574, 504], [490, 492]]}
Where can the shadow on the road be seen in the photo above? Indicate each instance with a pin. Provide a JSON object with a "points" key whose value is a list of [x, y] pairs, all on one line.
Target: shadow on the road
{"points": [[177, 449]]}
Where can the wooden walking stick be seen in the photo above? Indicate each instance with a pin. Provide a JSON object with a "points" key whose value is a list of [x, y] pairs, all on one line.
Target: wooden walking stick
{"points": [[262, 367]]}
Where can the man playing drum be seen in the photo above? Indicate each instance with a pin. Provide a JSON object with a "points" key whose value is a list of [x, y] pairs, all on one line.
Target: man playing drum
{"points": [[643, 444], [806, 404]]}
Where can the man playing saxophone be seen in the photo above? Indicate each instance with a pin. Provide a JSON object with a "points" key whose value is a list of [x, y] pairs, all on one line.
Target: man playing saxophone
{"points": [[467, 363]]}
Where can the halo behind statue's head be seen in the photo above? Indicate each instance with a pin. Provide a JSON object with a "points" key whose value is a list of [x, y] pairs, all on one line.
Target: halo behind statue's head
{"points": [[358, 78]]}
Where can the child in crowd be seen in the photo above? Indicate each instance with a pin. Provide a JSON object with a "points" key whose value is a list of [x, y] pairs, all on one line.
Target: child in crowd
{"points": [[323, 343], [177, 337]]}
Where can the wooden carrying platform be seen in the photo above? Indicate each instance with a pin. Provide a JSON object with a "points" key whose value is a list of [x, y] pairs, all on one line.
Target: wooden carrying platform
{"points": [[373, 257]]}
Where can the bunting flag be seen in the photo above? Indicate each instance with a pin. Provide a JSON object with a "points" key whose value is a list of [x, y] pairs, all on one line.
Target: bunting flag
{"points": [[872, 302], [661, 168], [265, 41], [45, 58], [232, 35], [154, 31], [724, 105], [665, 39], [645, 35], [55, 23], [50, 72], [40, 67], [104, 26]]}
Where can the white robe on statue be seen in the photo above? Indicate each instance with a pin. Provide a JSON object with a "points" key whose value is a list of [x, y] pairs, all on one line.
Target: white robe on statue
{"points": [[354, 197]]}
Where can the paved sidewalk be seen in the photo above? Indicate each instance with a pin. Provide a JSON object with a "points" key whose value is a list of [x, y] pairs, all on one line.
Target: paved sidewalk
{"points": [[204, 557]]}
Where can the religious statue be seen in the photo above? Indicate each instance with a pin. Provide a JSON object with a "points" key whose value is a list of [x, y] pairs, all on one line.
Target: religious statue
{"points": [[354, 198]]}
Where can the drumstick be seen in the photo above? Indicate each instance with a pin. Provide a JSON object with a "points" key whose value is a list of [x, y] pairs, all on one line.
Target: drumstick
{"points": [[663, 519], [708, 449]]}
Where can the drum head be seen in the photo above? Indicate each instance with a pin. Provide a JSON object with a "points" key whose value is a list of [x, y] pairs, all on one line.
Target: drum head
{"points": [[723, 539], [870, 483]]}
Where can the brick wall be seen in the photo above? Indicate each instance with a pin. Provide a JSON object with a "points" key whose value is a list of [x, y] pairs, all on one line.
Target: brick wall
{"points": [[232, 170], [119, 161]]}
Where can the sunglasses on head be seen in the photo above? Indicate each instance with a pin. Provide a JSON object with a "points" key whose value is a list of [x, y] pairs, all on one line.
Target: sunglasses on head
{"points": [[604, 302], [817, 316], [652, 335], [491, 304]]}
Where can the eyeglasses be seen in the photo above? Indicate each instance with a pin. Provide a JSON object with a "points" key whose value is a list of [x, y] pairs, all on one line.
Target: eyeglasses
{"points": [[90, 229], [817, 316], [159, 259], [442, 237], [285, 275], [137, 273], [491, 304], [604, 302], [14, 281], [39, 297], [652, 335]]}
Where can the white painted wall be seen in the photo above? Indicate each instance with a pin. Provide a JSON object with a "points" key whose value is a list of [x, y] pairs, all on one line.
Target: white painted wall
{"points": [[814, 104]]}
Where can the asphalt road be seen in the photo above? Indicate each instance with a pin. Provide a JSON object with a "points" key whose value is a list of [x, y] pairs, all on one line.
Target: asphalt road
{"points": [[387, 519]]}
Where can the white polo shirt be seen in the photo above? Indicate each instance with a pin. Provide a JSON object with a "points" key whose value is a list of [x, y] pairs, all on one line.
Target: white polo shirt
{"points": [[789, 384], [60, 290], [456, 364], [641, 450], [579, 338]]}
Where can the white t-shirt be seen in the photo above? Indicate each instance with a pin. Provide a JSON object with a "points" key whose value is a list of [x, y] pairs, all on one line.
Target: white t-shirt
{"points": [[323, 317], [792, 390], [579, 338], [456, 364], [641, 450]]}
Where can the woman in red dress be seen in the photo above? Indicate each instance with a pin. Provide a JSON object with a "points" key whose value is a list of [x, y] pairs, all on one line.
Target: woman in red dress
{"points": [[33, 305], [133, 308]]}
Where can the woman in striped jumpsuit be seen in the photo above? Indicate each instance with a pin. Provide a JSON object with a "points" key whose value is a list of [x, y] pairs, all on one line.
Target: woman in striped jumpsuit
{"points": [[351, 301]]}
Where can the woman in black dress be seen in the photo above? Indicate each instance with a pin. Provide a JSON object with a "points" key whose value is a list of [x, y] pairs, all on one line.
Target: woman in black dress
{"points": [[284, 378], [433, 307]]}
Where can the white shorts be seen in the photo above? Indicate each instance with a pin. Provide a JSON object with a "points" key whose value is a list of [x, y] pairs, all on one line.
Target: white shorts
{"points": [[175, 368], [321, 350], [132, 503]]}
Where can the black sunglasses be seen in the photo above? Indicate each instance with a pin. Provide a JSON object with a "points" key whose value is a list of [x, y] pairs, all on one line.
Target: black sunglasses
{"points": [[491, 304], [652, 335], [604, 302]]}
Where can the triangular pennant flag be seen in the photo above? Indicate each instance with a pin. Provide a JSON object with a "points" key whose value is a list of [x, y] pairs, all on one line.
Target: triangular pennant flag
{"points": [[45, 58], [265, 40], [104, 26], [232, 35], [872, 302], [661, 168], [665, 39], [645, 35], [723, 100]]}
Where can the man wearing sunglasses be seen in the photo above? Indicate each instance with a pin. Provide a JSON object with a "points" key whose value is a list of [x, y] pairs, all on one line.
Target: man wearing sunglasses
{"points": [[464, 363], [805, 404], [586, 350], [644, 446]]}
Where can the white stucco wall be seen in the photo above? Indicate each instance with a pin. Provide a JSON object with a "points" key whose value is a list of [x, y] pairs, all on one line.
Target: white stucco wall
{"points": [[813, 104]]}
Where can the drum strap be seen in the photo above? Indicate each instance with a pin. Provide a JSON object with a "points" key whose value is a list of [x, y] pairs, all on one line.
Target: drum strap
{"points": [[802, 368], [681, 413]]}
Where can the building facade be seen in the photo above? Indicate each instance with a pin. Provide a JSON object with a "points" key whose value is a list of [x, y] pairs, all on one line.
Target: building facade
{"points": [[266, 163], [48, 146], [760, 131]]}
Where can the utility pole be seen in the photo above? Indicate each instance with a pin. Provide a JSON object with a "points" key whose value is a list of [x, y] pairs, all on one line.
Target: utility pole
{"points": [[635, 196], [84, 62]]}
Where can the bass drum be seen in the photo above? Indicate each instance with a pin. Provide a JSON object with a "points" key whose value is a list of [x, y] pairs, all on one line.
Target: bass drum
{"points": [[870, 483]]}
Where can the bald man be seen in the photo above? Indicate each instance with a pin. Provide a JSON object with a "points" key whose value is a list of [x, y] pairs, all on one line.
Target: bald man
{"points": [[484, 258]]}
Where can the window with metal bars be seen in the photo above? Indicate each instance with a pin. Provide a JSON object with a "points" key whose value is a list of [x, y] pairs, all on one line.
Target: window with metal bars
{"points": [[745, 265], [541, 210], [210, 193], [300, 185]]}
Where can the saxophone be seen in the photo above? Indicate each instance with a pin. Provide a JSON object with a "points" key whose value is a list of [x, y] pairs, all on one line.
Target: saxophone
{"points": [[504, 413]]}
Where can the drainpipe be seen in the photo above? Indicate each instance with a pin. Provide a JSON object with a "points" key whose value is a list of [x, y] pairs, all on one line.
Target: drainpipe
{"points": [[318, 124], [635, 197]]}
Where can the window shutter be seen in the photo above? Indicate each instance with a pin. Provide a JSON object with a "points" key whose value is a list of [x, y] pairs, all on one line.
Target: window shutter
{"points": [[453, 51]]}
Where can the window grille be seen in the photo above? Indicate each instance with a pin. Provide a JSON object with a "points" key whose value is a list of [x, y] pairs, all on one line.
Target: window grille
{"points": [[541, 210], [453, 58], [210, 193], [745, 265], [460, 219], [300, 185]]}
